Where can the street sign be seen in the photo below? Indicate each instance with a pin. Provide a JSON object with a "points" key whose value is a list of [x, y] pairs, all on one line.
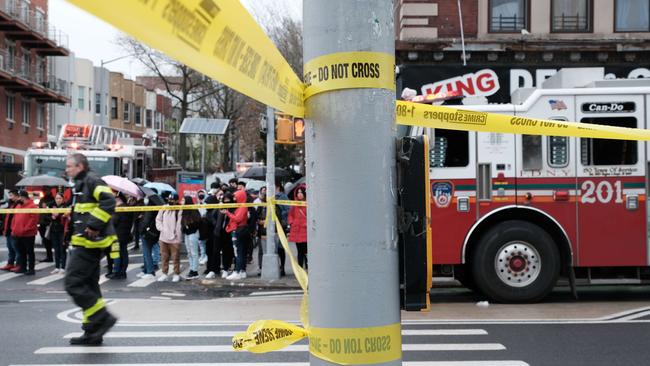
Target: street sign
{"points": [[189, 183]]}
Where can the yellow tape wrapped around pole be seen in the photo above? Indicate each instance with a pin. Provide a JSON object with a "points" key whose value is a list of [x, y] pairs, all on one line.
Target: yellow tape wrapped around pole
{"points": [[218, 38], [424, 115]]}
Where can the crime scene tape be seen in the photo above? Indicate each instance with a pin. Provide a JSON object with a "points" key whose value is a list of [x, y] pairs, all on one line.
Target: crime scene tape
{"points": [[345, 70], [143, 208], [429, 116], [218, 38]]}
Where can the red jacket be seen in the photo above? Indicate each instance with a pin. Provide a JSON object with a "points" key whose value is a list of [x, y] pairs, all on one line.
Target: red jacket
{"points": [[240, 217], [298, 222], [6, 230], [25, 224]]}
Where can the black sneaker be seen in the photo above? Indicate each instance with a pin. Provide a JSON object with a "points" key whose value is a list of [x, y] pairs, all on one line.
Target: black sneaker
{"points": [[30, 272], [191, 275], [86, 340]]}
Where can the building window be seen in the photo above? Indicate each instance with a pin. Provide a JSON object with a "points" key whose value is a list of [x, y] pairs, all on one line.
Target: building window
{"points": [[98, 103], [25, 111], [127, 112], [11, 55], [90, 99], [113, 107], [81, 103], [632, 15], [149, 118], [11, 101], [571, 16], [40, 116], [25, 63], [7, 158], [158, 122], [508, 15], [138, 116]]}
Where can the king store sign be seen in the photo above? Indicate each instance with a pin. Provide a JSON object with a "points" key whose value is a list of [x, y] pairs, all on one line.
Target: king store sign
{"points": [[482, 83], [496, 83]]}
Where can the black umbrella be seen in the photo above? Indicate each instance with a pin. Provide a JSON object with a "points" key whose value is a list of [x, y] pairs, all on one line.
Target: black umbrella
{"points": [[152, 195], [42, 180], [259, 173]]}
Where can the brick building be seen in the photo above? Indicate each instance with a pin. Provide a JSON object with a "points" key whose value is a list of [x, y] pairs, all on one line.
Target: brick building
{"points": [[516, 43], [26, 84]]}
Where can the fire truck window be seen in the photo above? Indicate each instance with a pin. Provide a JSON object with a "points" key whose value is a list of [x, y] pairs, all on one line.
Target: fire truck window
{"points": [[558, 151], [139, 169], [532, 152], [606, 151], [449, 148]]}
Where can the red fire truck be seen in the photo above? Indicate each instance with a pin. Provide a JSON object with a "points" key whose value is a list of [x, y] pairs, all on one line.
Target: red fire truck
{"points": [[510, 213]]}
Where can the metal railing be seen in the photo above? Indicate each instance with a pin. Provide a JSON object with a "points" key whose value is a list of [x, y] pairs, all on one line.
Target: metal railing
{"points": [[20, 11], [33, 72], [502, 23], [570, 23]]}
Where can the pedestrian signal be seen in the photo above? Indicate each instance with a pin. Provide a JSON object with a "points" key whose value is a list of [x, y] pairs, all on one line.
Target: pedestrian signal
{"points": [[414, 217], [284, 131], [298, 129]]}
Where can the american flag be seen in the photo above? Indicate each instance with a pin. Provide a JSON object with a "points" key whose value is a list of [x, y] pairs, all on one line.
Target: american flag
{"points": [[557, 105]]}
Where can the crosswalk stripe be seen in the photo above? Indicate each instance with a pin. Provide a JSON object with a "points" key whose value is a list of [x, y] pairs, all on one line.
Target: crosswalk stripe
{"points": [[228, 348], [103, 279], [47, 279], [10, 275], [405, 363], [229, 334], [144, 282]]}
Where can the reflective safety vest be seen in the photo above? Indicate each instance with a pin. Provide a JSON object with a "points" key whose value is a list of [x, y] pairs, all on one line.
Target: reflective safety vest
{"points": [[93, 207]]}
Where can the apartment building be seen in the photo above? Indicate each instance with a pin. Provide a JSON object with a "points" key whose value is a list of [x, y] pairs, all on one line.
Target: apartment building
{"points": [[27, 86], [502, 45]]}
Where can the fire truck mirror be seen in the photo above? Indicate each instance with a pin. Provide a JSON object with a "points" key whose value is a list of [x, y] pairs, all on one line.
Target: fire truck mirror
{"points": [[413, 215]]}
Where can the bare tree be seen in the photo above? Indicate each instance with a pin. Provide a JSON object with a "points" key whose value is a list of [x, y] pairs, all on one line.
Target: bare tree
{"points": [[183, 84]]}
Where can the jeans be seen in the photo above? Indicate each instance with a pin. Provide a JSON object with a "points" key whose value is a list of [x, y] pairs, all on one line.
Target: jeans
{"points": [[155, 254], [202, 249], [60, 255], [192, 246], [243, 241], [147, 249], [120, 264], [11, 247]]}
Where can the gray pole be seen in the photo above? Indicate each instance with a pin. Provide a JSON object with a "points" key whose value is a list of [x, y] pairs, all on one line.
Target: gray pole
{"points": [[353, 258], [270, 266], [203, 154]]}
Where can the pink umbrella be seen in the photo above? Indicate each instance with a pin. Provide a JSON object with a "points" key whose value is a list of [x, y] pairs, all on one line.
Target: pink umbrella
{"points": [[123, 185]]}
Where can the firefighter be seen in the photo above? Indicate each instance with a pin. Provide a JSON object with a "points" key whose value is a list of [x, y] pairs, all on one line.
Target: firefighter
{"points": [[92, 232]]}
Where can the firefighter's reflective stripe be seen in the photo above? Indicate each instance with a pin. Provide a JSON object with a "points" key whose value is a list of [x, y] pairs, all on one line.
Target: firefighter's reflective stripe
{"points": [[115, 250], [100, 214], [80, 241], [101, 189], [99, 305], [85, 207]]}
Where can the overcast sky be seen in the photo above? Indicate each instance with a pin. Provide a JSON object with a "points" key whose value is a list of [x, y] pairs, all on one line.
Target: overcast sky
{"points": [[94, 39]]}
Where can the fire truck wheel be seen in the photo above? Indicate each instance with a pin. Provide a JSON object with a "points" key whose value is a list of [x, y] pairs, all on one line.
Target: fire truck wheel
{"points": [[516, 261]]}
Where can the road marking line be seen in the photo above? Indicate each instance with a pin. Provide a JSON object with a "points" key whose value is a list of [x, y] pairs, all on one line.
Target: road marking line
{"points": [[405, 363], [228, 348], [103, 279], [635, 316], [47, 279], [269, 293], [38, 267], [441, 332], [160, 298], [229, 334], [45, 300], [173, 294], [144, 282]]}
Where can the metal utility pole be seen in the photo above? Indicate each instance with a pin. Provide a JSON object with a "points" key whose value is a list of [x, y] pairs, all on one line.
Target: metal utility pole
{"points": [[270, 266], [350, 143]]}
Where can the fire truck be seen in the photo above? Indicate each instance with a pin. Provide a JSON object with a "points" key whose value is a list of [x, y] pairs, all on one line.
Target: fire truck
{"points": [[110, 151], [511, 214]]}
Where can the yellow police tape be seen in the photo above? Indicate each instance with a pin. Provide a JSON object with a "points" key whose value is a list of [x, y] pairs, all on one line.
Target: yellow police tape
{"points": [[424, 115], [344, 346], [345, 70], [218, 38]]}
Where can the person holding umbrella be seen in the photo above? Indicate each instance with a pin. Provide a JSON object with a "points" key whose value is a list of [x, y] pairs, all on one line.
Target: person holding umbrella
{"points": [[58, 224], [123, 222]]}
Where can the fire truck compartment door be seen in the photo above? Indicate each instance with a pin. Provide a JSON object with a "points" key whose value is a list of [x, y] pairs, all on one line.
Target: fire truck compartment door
{"points": [[609, 174]]}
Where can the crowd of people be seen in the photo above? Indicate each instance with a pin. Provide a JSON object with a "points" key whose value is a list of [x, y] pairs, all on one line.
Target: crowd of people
{"points": [[217, 242]]}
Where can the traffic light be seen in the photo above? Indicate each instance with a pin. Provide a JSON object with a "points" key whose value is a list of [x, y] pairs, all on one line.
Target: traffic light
{"points": [[414, 216], [298, 129]]}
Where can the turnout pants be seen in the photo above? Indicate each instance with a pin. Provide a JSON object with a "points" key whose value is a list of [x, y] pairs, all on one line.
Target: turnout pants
{"points": [[82, 280]]}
